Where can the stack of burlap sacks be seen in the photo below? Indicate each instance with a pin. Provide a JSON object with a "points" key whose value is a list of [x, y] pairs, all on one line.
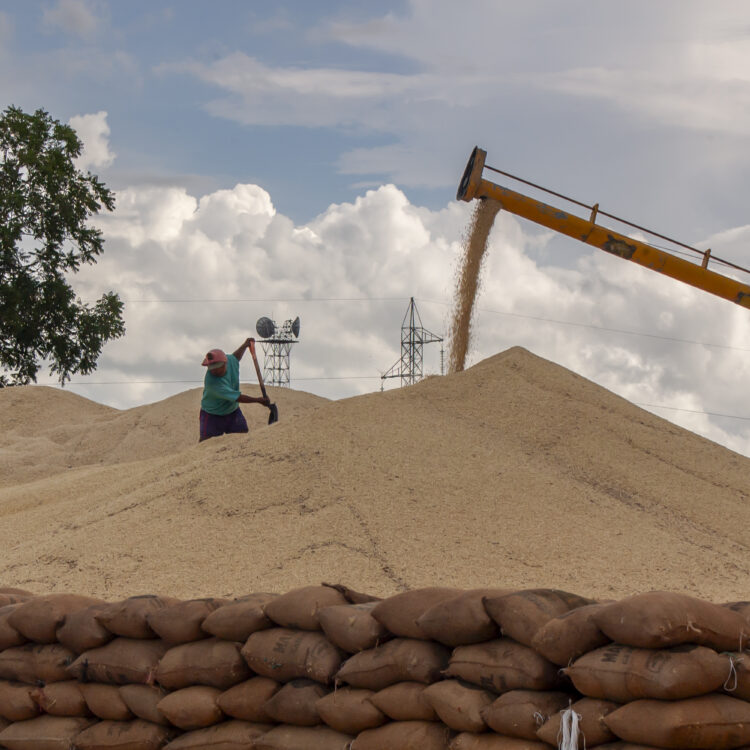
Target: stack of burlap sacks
{"points": [[326, 668]]}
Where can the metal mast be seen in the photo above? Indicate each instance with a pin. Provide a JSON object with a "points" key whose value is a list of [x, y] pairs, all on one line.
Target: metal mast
{"points": [[277, 345], [413, 338]]}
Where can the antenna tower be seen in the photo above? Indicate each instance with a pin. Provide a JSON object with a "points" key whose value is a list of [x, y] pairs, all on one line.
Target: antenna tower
{"points": [[277, 341], [413, 338]]}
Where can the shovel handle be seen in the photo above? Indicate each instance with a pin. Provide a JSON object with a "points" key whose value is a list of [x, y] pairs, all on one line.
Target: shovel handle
{"points": [[257, 368]]}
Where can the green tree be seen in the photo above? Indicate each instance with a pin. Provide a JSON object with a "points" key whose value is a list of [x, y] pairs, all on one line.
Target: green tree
{"points": [[45, 204]]}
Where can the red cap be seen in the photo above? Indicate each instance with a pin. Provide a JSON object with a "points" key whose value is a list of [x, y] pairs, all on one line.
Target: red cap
{"points": [[215, 356]]}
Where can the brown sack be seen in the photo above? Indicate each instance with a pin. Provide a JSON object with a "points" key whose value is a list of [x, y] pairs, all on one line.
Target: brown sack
{"points": [[39, 618], [519, 713], [181, 622], [459, 704], [105, 701], [237, 620], [229, 735], [710, 721], [61, 699], [192, 707], [662, 619], [246, 701], [349, 710], [468, 741], [352, 596], [502, 665], [295, 703], [741, 608], [404, 701], [142, 701], [129, 618], [284, 654], [399, 613], [302, 738], [738, 682], [592, 728], [123, 735], [462, 619], [9, 636], [522, 613], [123, 661], [399, 660], [404, 735], [16, 702], [43, 733], [33, 664], [352, 627], [18, 594], [563, 639], [81, 631], [210, 662], [299, 608], [621, 673]]}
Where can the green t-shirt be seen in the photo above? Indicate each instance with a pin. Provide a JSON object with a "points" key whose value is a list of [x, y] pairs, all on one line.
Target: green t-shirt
{"points": [[220, 393]]}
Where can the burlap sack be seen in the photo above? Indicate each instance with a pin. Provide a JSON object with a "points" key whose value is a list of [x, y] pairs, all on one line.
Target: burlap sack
{"points": [[142, 702], [192, 707], [284, 654], [404, 701], [122, 661], [43, 733], [229, 735], [39, 618], [295, 703], [738, 683], [16, 701], [124, 735], [469, 741], [563, 639], [459, 704], [352, 596], [129, 618], [710, 721], [522, 613], [105, 701], [181, 622], [399, 613], [462, 619], [519, 713], [741, 608], [299, 608], [352, 627], [239, 619], [503, 665], [247, 700], [591, 726], [9, 636], [404, 735], [399, 660], [61, 699], [621, 673], [210, 662], [661, 619], [33, 664], [81, 631], [349, 710], [303, 738]]}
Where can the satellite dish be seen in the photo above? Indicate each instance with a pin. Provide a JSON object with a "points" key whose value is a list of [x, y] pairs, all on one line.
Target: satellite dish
{"points": [[295, 327], [265, 327]]}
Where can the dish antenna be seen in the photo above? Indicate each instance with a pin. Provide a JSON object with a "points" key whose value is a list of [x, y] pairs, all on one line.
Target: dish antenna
{"points": [[295, 327], [266, 327]]}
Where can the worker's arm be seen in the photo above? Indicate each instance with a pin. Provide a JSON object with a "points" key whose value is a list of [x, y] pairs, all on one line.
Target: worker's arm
{"points": [[241, 350], [243, 399]]}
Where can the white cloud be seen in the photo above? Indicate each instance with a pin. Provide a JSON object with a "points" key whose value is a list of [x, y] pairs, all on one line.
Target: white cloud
{"points": [[77, 17], [93, 131]]}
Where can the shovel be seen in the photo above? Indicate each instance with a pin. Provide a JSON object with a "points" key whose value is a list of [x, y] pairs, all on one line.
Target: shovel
{"points": [[273, 415]]}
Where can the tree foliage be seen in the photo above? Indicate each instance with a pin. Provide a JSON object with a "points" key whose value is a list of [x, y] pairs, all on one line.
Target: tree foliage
{"points": [[45, 205]]}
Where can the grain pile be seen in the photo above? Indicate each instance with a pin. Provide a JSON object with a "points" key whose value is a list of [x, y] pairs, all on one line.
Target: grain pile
{"points": [[515, 473]]}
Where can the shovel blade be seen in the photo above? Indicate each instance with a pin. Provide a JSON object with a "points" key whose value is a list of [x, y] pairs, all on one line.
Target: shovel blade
{"points": [[273, 413]]}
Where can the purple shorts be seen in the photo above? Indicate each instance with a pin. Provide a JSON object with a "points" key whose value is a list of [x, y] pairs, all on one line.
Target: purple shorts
{"points": [[213, 425]]}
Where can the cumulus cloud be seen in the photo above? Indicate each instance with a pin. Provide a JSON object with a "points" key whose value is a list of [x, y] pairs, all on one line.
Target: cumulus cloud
{"points": [[93, 131], [77, 17]]}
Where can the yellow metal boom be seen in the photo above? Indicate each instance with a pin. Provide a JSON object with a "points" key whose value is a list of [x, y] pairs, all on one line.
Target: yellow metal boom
{"points": [[474, 186]]}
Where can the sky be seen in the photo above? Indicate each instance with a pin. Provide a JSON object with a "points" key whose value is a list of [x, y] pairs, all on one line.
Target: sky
{"points": [[293, 158]]}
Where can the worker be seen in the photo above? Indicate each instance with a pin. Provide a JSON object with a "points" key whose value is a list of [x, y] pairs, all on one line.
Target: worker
{"points": [[220, 405]]}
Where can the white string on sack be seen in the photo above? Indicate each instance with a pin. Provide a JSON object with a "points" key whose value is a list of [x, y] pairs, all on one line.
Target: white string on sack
{"points": [[539, 718], [569, 731], [732, 677]]}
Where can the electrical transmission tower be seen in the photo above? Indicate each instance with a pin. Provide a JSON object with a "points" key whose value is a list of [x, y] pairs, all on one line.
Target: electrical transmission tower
{"points": [[277, 341], [413, 338]]}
